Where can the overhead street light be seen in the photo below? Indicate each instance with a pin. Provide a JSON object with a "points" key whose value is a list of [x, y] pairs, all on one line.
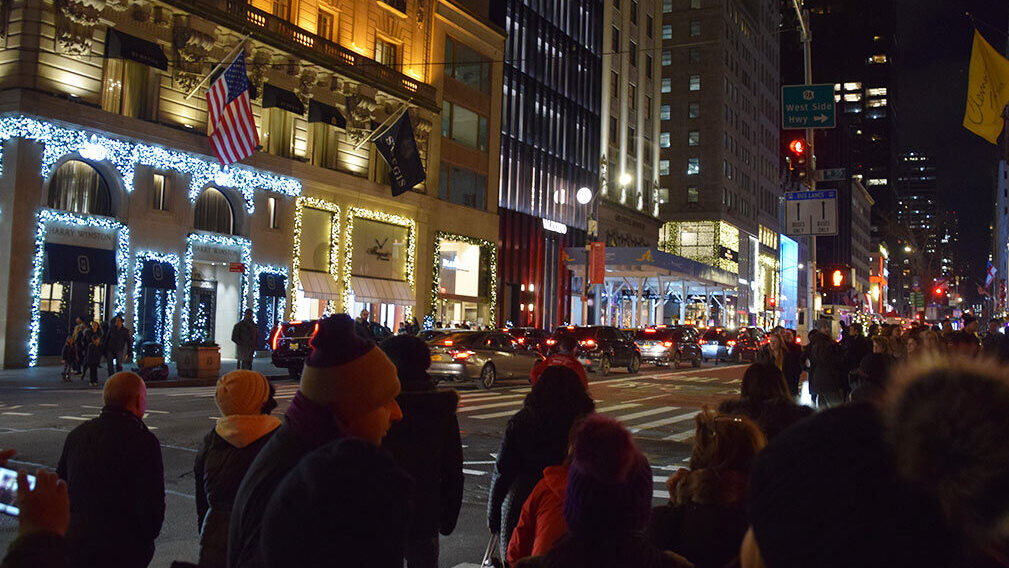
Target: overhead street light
{"points": [[585, 196]]}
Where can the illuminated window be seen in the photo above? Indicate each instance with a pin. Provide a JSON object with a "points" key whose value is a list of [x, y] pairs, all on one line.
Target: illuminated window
{"points": [[877, 59], [667, 31], [464, 126], [214, 213], [667, 58], [387, 53], [665, 113], [271, 213], [852, 86], [694, 138], [160, 192], [282, 9], [326, 25], [663, 167], [693, 166], [876, 92], [664, 140], [695, 82], [667, 85], [852, 97], [131, 89], [873, 103], [667, 6], [77, 187]]}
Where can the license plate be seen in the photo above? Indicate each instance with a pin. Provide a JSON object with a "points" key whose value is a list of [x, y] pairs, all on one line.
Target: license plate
{"points": [[435, 357], [293, 346]]}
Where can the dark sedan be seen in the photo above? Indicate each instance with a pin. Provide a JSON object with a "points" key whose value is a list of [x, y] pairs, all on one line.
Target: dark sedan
{"points": [[669, 346], [602, 347]]}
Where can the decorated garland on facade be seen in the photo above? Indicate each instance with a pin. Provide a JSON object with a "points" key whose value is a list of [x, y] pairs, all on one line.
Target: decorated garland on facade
{"points": [[301, 204], [348, 256], [489, 248], [162, 331], [281, 308], [244, 245]]}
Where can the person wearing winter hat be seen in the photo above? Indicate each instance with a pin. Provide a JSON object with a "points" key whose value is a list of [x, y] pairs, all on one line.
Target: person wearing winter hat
{"points": [[245, 399], [427, 445], [345, 504], [606, 505], [348, 388]]}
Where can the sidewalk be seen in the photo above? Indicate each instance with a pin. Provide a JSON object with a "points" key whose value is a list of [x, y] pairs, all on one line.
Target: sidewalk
{"points": [[47, 377]]}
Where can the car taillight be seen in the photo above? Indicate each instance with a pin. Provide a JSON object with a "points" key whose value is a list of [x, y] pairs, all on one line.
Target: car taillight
{"points": [[447, 343], [649, 331], [588, 343], [461, 355], [702, 342], [667, 343], [732, 342], [521, 340], [276, 337], [314, 331], [798, 341], [551, 341]]}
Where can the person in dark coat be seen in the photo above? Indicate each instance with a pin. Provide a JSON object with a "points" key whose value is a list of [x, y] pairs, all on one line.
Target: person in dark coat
{"points": [[245, 399], [536, 437], [345, 504], [117, 343], [606, 504], [244, 334], [348, 388], [870, 380], [705, 519], [855, 347], [427, 445], [764, 398], [42, 522], [113, 469], [827, 380], [93, 357]]}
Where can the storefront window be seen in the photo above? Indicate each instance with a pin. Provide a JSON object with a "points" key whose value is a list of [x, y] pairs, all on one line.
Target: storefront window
{"points": [[463, 280], [464, 126], [78, 187], [316, 243]]}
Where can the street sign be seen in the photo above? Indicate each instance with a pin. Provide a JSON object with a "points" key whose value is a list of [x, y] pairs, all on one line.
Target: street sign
{"points": [[836, 174], [807, 106], [811, 212], [236, 267]]}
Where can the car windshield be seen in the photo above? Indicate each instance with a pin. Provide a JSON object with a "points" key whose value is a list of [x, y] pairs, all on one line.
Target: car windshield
{"points": [[467, 338], [714, 333], [580, 333], [651, 334]]}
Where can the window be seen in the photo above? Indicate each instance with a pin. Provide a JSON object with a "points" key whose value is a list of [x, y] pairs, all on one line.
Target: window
{"points": [[667, 58], [693, 110], [664, 140], [386, 53], [648, 107], [648, 66], [665, 113], [51, 297], [271, 213], [631, 140], [467, 66], [614, 84], [663, 196], [326, 25], [694, 55], [667, 31], [663, 167], [462, 186], [615, 40], [692, 196], [695, 4], [634, 12], [693, 166], [649, 24], [160, 192], [213, 212], [695, 82], [464, 126], [632, 50], [667, 6], [667, 85], [77, 187], [694, 138], [614, 131], [632, 96], [131, 89], [277, 132], [695, 28], [876, 59], [325, 139], [282, 9]]}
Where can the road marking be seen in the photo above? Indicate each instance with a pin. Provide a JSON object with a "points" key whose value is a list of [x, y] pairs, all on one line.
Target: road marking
{"points": [[643, 413], [78, 418], [660, 479], [17, 413], [478, 394], [494, 405], [617, 407], [665, 421], [158, 412], [681, 437], [15, 407], [495, 415], [49, 404], [494, 398], [479, 463], [660, 494], [473, 472], [91, 407]]}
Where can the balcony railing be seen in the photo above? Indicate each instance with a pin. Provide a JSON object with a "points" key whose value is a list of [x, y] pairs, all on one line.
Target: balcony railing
{"points": [[241, 16]]}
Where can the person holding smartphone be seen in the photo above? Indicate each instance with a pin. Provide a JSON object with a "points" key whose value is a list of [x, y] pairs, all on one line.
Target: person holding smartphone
{"points": [[43, 518]]}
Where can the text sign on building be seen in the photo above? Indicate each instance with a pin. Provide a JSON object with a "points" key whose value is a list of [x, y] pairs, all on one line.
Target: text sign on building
{"points": [[236, 267], [835, 174], [811, 212], [807, 106], [597, 263]]}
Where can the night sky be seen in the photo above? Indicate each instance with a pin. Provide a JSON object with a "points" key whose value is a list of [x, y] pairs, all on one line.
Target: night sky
{"points": [[933, 53]]}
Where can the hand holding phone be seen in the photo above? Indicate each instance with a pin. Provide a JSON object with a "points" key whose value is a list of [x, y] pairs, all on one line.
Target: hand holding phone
{"points": [[10, 485], [44, 503]]}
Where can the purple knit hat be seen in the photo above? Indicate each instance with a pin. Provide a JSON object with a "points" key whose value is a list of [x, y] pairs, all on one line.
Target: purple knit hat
{"points": [[336, 342], [609, 481]]}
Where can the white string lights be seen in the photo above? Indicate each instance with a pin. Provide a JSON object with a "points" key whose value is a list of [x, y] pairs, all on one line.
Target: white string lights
{"points": [[244, 246], [164, 327]]}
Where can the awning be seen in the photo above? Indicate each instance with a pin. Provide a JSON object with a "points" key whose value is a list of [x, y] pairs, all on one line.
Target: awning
{"points": [[282, 99], [119, 45], [63, 263], [157, 274], [273, 285], [319, 285], [378, 291], [321, 112]]}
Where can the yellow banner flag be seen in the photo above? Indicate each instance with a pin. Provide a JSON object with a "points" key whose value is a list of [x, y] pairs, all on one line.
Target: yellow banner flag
{"points": [[987, 90]]}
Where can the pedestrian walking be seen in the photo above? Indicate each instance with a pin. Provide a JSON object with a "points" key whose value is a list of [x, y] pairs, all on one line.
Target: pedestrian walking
{"points": [[244, 334], [426, 443], [113, 469], [563, 355], [69, 356], [245, 399], [117, 343], [348, 389], [535, 437], [80, 345], [827, 381], [93, 358]]}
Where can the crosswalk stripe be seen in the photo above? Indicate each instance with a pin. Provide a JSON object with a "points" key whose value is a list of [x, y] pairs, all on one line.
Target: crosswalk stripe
{"points": [[617, 407], [644, 413], [495, 415], [494, 405], [78, 418], [665, 421], [660, 494], [17, 413], [493, 399], [474, 472], [681, 437]]}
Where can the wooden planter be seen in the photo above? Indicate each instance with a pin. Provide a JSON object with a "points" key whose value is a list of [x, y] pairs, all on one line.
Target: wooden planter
{"points": [[199, 362]]}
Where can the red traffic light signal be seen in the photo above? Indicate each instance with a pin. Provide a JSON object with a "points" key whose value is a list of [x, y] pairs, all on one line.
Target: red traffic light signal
{"points": [[770, 303], [938, 291], [797, 146]]}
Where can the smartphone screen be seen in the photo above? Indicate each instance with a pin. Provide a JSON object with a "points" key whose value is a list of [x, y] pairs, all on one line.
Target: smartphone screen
{"points": [[9, 490]]}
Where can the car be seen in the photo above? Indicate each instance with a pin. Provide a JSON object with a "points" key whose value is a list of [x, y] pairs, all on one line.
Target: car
{"points": [[669, 345], [429, 334], [601, 347], [530, 337], [481, 356], [717, 343], [290, 342], [749, 341]]}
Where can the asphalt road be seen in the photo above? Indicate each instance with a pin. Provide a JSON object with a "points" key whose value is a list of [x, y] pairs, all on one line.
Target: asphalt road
{"points": [[658, 405]]}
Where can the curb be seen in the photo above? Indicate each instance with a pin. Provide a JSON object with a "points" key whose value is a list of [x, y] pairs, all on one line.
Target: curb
{"points": [[181, 383]]}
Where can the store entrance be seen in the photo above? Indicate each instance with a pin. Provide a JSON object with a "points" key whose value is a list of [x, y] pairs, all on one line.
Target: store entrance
{"points": [[61, 304], [203, 311]]}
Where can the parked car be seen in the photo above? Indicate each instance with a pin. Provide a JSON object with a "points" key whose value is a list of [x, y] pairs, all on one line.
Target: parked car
{"points": [[290, 344], [717, 343], [530, 337], [669, 346], [602, 347], [429, 334], [481, 356]]}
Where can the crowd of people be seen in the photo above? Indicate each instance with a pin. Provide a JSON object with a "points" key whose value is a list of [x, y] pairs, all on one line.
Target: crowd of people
{"points": [[903, 463], [88, 344]]}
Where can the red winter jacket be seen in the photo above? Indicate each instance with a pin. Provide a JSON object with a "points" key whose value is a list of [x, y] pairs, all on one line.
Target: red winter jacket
{"points": [[541, 522], [562, 360]]}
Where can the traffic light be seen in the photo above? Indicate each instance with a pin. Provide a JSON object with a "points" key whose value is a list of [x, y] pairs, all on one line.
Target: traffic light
{"points": [[796, 156], [836, 278], [797, 147], [770, 303]]}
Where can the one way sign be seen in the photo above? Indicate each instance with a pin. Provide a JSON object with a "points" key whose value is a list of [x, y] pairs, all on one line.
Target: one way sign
{"points": [[811, 213]]}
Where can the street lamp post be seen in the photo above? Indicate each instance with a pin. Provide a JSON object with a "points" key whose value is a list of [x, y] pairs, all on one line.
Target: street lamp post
{"points": [[584, 196]]}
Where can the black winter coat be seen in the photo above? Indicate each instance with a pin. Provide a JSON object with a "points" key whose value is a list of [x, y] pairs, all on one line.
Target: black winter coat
{"points": [[615, 550], [93, 355], [37, 550], [113, 469], [427, 445], [117, 340], [826, 366], [527, 448], [708, 535], [771, 416], [219, 469]]}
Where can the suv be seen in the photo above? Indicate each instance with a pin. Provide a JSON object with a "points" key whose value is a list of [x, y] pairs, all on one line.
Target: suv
{"points": [[669, 345], [602, 347], [531, 337], [749, 340], [290, 342]]}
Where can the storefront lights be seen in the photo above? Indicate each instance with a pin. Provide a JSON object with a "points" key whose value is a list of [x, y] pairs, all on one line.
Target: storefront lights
{"points": [[243, 245], [280, 271], [334, 241], [411, 249], [164, 329], [486, 247]]}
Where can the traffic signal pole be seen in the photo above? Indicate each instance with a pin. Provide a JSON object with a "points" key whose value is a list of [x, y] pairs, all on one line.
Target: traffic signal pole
{"points": [[806, 39]]}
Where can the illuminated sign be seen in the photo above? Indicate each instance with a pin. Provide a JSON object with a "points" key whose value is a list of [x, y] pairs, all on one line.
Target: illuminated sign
{"points": [[555, 227]]}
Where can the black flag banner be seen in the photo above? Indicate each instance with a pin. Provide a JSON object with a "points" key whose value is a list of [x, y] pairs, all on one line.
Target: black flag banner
{"points": [[399, 148]]}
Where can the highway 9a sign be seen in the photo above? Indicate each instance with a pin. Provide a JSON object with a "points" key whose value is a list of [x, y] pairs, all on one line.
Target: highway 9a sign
{"points": [[807, 106]]}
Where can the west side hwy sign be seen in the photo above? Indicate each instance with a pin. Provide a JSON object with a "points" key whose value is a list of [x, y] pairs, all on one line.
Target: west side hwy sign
{"points": [[807, 106], [811, 213]]}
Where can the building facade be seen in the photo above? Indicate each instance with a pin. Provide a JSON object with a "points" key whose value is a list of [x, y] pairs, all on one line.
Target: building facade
{"points": [[917, 216], [111, 203], [719, 172]]}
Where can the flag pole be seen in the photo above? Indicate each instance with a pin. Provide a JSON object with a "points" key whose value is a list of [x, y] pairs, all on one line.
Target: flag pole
{"points": [[230, 55], [392, 117]]}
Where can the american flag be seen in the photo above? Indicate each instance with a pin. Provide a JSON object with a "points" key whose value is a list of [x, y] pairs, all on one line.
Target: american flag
{"points": [[233, 134]]}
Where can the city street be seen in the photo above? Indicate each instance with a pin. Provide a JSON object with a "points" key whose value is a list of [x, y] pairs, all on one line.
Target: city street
{"points": [[657, 404]]}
